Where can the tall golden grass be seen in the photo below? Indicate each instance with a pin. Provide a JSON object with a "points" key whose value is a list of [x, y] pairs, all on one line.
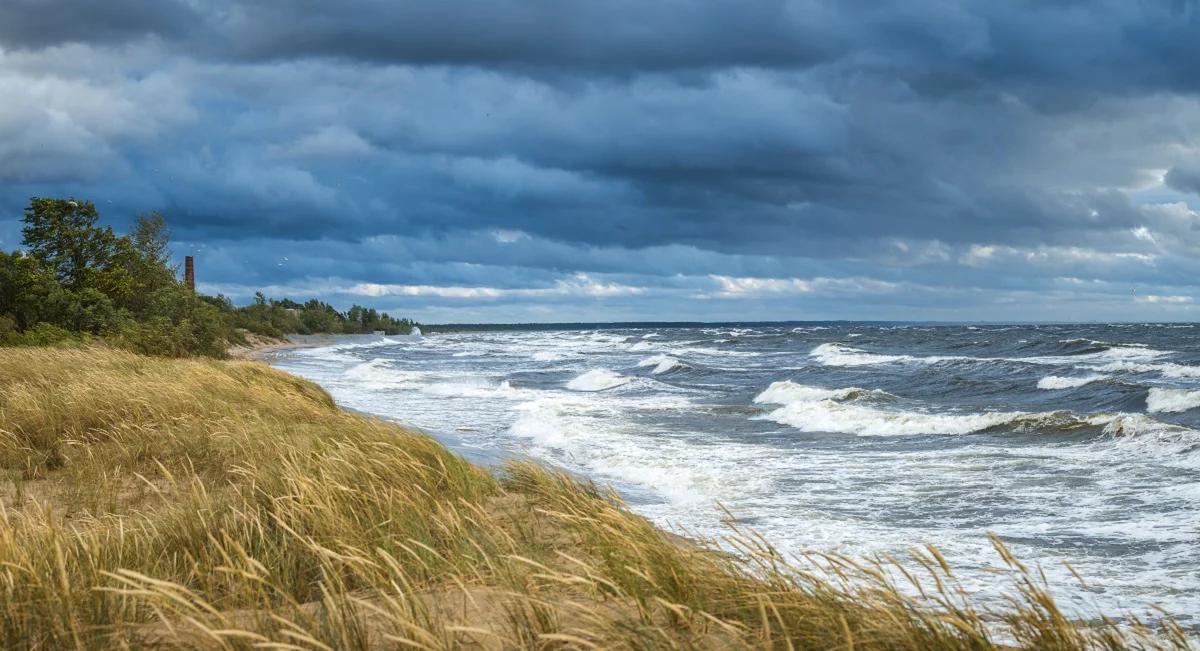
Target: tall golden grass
{"points": [[203, 504]]}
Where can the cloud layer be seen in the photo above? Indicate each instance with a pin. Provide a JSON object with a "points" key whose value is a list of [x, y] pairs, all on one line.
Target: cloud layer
{"points": [[630, 160]]}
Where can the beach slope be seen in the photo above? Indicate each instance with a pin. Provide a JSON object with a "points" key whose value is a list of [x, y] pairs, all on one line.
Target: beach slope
{"points": [[223, 504]]}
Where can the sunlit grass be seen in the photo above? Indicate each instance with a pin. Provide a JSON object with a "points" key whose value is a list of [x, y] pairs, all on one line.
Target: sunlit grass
{"points": [[152, 502]]}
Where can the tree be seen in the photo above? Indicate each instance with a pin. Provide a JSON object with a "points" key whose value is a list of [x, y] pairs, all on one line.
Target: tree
{"points": [[25, 286], [62, 234], [151, 238]]}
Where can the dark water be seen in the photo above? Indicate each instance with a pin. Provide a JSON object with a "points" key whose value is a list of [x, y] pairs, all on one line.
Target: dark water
{"points": [[1072, 443]]}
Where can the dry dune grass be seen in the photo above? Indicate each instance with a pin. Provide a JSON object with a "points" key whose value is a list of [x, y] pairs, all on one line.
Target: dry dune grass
{"points": [[204, 504]]}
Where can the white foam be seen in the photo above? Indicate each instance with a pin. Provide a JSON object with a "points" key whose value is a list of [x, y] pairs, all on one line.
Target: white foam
{"points": [[860, 420], [325, 353], [1149, 436], [787, 392], [477, 389], [1127, 351], [600, 379], [661, 363], [539, 421], [547, 356], [380, 374], [1166, 369], [1171, 400], [832, 354], [1052, 382]]}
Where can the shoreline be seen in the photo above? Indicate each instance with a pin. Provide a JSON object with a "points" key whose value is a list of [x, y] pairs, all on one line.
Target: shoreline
{"points": [[264, 349], [212, 502]]}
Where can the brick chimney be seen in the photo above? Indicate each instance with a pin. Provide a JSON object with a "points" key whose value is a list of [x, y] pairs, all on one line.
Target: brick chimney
{"points": [[189, 272]]}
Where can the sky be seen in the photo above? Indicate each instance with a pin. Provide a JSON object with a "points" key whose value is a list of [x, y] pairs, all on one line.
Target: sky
{"points": [[613, 160]]}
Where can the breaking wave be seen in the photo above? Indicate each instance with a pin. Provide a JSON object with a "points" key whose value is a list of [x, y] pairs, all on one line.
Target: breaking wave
{"points": [[661, 363], [1165, 369], [838, 355], [787, 392], [1171, 400], [378, 373], [600, 379], [1052, 382], [848, 411]]}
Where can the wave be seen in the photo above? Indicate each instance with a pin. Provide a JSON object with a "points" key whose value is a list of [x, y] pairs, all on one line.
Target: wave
{"points": [[1052, 382], [547, 356], [787, 392], [1149, 435], [600, 379], [832, 354], [539, 420], [842, 411], [1166, 369], [860, 420], [326, 354], [1171, 400], [477, 389], [378, 373], [661, 363], [1130, 357], [817, 409]]}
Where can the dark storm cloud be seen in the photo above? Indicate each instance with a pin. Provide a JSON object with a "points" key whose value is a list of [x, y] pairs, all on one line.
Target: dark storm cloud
{"points": [[1185, 179], [43, 23], [922, 146], [613, 36]]}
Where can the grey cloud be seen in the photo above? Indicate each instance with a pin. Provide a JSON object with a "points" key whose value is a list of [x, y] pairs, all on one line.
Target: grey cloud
{"points": [[389, 142], [43, 23], [1184, 179]]}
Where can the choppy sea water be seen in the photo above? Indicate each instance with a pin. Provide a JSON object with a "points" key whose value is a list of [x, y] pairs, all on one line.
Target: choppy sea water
{"points": [[1072, 443]]}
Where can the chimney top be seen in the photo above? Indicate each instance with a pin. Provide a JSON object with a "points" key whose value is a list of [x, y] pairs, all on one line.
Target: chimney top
{"points": [[189, 272]]}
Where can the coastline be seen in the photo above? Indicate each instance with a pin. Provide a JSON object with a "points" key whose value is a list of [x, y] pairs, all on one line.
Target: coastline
{"points": [[261, 348], [202, 503]]}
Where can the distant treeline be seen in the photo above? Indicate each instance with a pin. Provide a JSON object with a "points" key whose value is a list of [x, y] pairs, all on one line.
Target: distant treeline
{"points": [[77, 281]]}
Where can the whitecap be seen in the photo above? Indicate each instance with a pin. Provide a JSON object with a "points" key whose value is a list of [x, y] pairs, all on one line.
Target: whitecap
{"points": [[661, 363], [860, 420], [599, 379], [1147, 434], [1166, 369], [787, 392], [325, 353], [379, 374], [1051, 382], [477, 389], [832, 354], [1171, 400]]}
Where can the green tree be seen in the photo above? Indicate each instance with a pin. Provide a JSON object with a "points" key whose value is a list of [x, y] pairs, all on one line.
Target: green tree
{"points": [[25, 285], [151, 239], [62, 234]]}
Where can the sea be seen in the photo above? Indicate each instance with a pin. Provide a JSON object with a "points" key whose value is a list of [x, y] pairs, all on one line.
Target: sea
{"points": [[1078, 446]]}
